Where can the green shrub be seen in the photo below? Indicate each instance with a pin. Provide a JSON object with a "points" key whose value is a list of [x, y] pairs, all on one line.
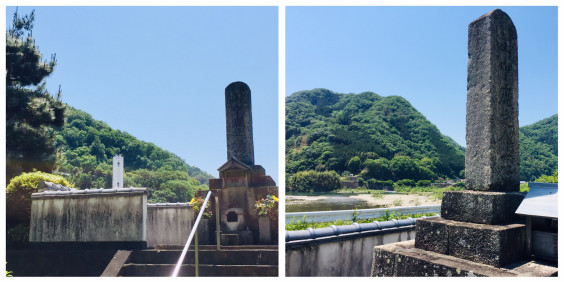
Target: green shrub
{"points": [[17, 236], [524, 187], [18, 194], [405, 182], [423, 183], [548, 179], [314, 181], [377, 194]]}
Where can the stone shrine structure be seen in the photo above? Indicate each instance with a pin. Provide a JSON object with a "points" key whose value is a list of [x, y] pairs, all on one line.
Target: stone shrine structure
{"points": [[478, 233], [241, 183]]}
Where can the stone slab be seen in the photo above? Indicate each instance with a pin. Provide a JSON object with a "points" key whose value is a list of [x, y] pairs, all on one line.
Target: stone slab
{"points": [[117, 262], [495, 245], [481, 207], [404, 260]]}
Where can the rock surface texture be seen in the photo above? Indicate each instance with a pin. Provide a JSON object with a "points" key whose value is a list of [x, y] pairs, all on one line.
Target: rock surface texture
{"points": [[492, 125]]}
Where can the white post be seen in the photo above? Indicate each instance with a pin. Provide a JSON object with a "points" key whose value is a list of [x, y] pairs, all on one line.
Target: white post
{"points": [[117, 179]]}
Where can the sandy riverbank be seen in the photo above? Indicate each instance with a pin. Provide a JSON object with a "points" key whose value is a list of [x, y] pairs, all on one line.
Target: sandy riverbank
{"points": [[387, 200], [393, 200]]}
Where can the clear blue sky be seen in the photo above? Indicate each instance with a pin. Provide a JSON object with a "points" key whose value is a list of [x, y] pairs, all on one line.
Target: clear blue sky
{"points": [[419, 53], [159, 73]]}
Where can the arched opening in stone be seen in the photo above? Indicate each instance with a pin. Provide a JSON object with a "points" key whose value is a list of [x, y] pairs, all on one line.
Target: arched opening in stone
{"points": [[232, 216]]}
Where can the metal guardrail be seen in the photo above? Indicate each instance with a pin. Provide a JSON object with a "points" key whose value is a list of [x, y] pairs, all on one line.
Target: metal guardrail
{"points": [[328, 216], [192, 232]]}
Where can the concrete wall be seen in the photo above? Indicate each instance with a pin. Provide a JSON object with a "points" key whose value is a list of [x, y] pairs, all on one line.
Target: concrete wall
{"points": [[101, 215], [335, 251], [169, 223]]}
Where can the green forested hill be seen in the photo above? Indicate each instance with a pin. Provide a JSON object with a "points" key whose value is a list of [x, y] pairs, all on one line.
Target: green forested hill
{"points": [[86, 147], [538, 148], [383, 138]]}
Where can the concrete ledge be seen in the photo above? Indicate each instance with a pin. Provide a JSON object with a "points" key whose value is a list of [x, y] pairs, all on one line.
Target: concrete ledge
{"points": [[481, 207], [495, 245], [404, 260], [89, 193], [168, 205]]}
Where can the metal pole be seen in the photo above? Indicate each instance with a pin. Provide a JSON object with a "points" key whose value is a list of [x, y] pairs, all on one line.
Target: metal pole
{"points": [[181, 259], [217, 235], [196, 261]]}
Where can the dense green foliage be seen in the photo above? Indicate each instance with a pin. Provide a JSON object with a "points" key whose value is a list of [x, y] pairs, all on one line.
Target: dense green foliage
{"points": [[381, 138], [313, 181], [18, 204], [548, 178], [18, 194], [386, 139], [89, 145], [538, 148], [31, 112]]}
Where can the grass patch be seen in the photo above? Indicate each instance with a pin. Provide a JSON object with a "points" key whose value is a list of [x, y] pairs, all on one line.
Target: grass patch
{"points": [[360, 190], [397, 202], [302, 224], [377, 194]]}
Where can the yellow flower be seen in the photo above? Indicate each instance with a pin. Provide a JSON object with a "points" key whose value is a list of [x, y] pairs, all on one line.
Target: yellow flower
{"points": [[192, 201], [274, 198]]}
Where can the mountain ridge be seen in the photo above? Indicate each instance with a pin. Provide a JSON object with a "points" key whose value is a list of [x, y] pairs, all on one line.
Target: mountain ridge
{"points": [[86, 147], [325, 130]]}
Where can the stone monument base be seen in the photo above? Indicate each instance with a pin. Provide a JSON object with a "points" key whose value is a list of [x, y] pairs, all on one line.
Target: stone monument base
{"points": [[404, 260], [495, 245], [237, 238], [481, 207]]}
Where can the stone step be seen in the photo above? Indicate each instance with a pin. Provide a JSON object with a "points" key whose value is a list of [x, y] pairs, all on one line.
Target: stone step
{"points": [[214, 247], [403, 259], [207, 256], [229, 261], [165, 270]]}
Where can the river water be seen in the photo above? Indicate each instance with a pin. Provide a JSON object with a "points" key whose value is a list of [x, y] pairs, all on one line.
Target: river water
{"points": [[301, 202]]}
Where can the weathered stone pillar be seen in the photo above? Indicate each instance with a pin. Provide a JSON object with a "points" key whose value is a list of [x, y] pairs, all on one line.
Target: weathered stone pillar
{"points": [[492, 125], [479, 224], [478, 227], [239, 123]]}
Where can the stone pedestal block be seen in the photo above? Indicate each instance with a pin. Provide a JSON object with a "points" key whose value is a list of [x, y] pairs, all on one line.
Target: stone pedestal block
{"points": [[495, 245], [481, 207], [204, 232], [264, 230]]}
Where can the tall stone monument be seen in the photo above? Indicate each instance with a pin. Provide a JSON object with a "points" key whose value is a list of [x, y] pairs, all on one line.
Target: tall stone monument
{"points": [[478, 233], [241, 183], [239, 123], [492, 125]]}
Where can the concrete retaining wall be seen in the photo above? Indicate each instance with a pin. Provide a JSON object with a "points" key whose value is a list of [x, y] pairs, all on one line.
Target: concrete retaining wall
{"points": [[101, 215], [169, 223], [341, 250]]}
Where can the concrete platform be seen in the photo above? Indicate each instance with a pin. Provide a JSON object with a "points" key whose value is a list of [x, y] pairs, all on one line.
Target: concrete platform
{"points": [[404, 260]]}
